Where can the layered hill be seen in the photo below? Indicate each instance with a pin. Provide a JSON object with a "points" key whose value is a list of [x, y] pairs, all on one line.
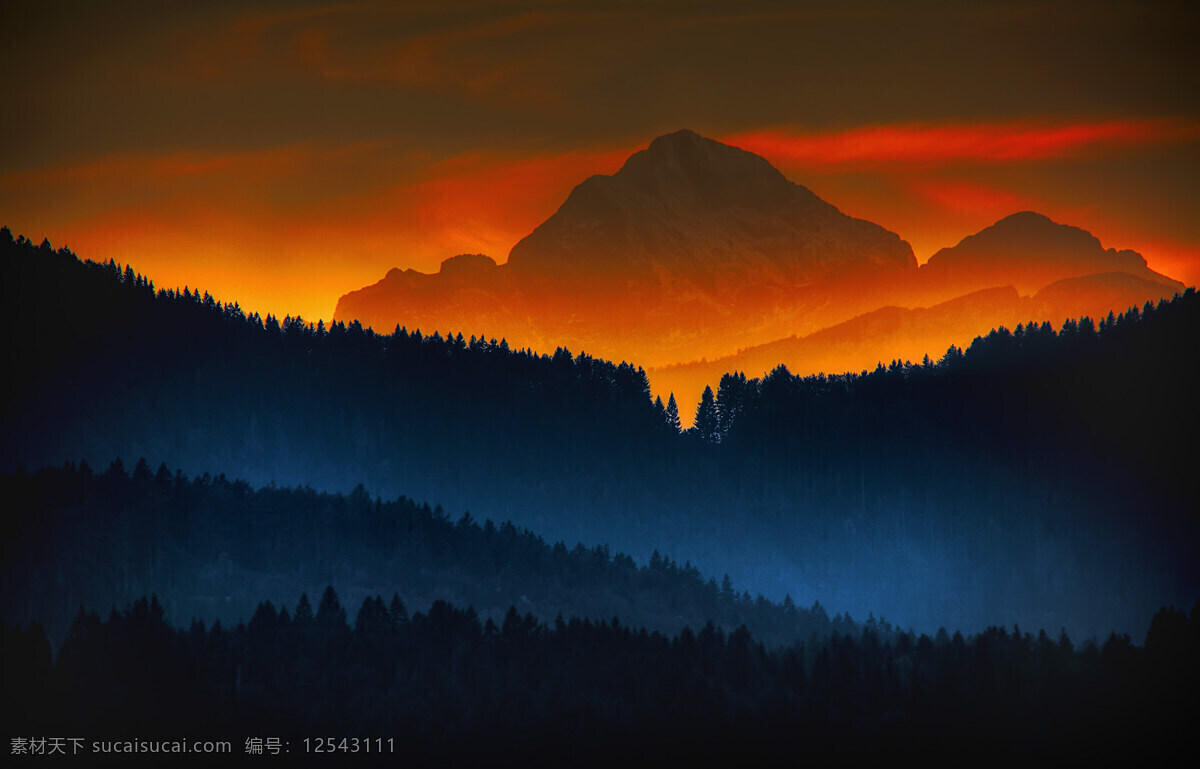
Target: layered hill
{"points": [[212, 548], [899, 333], [952, 493]]}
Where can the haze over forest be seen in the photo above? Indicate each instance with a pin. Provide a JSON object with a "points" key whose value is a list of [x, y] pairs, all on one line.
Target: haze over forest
{"points": [[601, 383], [936, 493], [777, 464]]}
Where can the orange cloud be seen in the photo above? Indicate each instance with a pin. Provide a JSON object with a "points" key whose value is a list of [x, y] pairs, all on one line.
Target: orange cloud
{"points": [[939, 144], [287, 230], [486, 203], [962, 198], [1177, 260]]}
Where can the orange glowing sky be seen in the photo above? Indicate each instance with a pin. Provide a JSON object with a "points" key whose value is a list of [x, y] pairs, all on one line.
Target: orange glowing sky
{"points": [[281, 154]]}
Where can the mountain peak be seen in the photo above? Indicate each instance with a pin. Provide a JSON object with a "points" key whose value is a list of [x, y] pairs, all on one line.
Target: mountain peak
{"points": [[1026, 233], [1030, 250], [686, 167], [692, 245], [1026, 217], [682, 136], [1031, 223], [692, 210], [685, 143]]}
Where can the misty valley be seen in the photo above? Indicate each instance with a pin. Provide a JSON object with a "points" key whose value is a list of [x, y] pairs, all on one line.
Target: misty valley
{"points": [[675, 384], [221, 524]]}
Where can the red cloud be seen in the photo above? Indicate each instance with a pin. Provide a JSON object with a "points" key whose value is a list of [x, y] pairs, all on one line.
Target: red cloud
{"points": [[484, 202], [963, 198], [936, 144]]}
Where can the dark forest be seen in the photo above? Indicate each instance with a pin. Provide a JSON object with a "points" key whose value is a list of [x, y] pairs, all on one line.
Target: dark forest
{"points": [[579, 569], [451, 689]]}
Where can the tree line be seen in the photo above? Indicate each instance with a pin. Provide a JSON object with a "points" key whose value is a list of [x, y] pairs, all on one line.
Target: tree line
{"points": [[213, 546], [450, 687], [1039, 475]]}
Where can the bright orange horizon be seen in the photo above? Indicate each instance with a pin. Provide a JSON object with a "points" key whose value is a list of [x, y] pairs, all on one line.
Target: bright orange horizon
{"points": [[222, 235], [281, 159]]}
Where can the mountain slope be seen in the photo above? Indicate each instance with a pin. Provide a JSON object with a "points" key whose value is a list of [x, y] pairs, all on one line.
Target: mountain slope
{"points": [[950, 493], [692, 247], [211, 548], [690, 210]]}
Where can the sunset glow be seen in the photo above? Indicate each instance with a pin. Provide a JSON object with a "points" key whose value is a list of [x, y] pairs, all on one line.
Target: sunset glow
{"points": [[270, 229], [320, 146], [705, 380], [934, 144]]}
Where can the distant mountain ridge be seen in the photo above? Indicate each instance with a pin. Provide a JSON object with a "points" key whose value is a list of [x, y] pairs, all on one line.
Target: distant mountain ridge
{"points": [[690, 209], [899, 333], [695, 249], [691, 243], [1029, 251]]}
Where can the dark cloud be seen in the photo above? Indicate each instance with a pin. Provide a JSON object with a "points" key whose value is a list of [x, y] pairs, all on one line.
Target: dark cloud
{"points": [[99, 77]]}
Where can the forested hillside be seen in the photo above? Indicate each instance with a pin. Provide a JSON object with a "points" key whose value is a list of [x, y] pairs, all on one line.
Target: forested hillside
{"points": [[214, 548], [445, 688], [1037, 476]]}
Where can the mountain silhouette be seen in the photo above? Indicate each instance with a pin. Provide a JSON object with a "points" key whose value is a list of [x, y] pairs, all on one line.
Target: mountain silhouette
{"points": [[695, 249], [692, 245], [1028, 251], [690, 211]]}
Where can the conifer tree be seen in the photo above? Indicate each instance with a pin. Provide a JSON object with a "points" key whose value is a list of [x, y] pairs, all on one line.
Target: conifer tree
{"points": [[304, 611], [705, 427], [398, 612], [672, 414], [330, 611]]}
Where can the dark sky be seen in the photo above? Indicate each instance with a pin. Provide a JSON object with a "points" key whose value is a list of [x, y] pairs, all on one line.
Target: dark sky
{"points": [[281, 154]]}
